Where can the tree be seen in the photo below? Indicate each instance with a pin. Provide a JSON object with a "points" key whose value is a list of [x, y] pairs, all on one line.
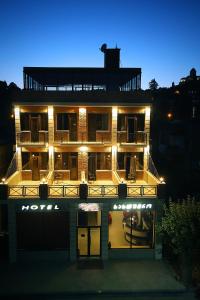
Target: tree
{"points": [[153, 85], [180, 225]]}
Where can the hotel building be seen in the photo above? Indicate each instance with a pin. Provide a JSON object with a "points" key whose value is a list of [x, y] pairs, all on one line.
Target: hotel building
{"points": [[82, 182]]}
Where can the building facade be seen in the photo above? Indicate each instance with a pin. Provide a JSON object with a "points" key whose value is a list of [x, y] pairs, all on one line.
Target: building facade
{"points": [[81, 182]]}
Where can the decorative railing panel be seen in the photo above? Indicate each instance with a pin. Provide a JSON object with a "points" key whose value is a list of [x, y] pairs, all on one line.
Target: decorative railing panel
{"points": [[63, 191], [23, 191], [102, 191], [142, 190]]}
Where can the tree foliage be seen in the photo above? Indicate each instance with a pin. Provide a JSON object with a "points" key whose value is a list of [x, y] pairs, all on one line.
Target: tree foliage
{"points": [[181, 225], [153, 85]]}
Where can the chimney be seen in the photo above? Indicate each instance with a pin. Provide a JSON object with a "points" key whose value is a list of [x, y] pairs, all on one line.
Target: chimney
{"points": [[111, 57]]}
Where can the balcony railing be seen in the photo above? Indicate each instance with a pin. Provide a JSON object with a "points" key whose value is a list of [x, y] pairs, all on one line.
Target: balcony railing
{"points": [[32, 138], [73, 191], [103, 191], [67, 137], [17, 191], [141, 190], [138, 137], [67, 191]]}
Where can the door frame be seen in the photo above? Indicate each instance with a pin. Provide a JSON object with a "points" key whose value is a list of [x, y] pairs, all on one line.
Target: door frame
{"points": [[88, 241]]}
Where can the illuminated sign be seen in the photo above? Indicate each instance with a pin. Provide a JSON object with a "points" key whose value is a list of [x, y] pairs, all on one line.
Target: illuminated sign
{"points": [[40, 207], [89, 206], [131, 206]]}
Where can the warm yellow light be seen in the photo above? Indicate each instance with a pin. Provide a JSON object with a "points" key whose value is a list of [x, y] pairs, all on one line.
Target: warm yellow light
{"points": [[146, 149], [83, 149], [148, 112], [82, 110], [51, 148], [43, 180], [50, 112], [114, 149], [16, 112], [122, 180], [3, 180], [162, 180], [114, 112], [169, 115]]}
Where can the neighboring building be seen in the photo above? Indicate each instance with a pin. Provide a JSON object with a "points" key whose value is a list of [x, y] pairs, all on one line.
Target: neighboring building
{"points": [[175, 124], [82, 184]]}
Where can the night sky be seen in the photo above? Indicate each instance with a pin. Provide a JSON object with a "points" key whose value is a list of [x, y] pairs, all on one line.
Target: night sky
{"points": [[161, 37]]}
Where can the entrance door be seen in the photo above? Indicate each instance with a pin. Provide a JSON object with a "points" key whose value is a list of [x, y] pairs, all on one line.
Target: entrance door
{"points": [[35, 168], [131, 129], [35, 127], [92, 166], [89, 241], [73, 167]]}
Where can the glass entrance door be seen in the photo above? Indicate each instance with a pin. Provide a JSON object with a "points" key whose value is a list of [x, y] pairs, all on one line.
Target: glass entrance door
{"points": [[89, 241]]}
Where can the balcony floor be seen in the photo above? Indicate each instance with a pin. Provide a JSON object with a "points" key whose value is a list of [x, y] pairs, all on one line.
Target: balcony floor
{"points": [[77, 182]]}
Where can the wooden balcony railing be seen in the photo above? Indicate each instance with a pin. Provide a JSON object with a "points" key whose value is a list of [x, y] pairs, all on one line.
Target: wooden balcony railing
{"points": [[141, 190], [138, 137], [32, 138], [67, 137], [73, 191], [17, 191]]}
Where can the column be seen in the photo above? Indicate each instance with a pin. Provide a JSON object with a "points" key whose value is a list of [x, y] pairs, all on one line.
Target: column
{"points": [[51, 137], [73, 233], [12, 232], [104, 231], [147, 130], [114, 138], [83, 163], [82, 124]]}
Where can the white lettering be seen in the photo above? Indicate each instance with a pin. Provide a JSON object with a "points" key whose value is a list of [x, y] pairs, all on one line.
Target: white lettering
{"points": [[34, 207], [132, 206], [25, 207], [42, 207]]}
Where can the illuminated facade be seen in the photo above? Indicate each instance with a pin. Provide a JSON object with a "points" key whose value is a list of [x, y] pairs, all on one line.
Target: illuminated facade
{"points": [[81, 182]]}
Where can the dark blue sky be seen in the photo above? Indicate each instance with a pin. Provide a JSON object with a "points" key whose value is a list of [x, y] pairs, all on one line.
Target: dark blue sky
{"points": [[161, 37]]}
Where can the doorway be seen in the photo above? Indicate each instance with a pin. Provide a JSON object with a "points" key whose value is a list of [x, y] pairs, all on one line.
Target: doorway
{"points": [[89, 241], [35, 127], [35, 167], [131, 129], [73, 166]]}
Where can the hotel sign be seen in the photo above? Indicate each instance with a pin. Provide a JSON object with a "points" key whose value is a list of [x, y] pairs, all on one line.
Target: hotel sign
{"points": [[40, 207], [130, 206]]}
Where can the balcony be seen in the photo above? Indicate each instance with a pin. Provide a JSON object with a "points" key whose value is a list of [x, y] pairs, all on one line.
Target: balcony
{"points": [[64, 137], [144, 187], [138, 137], [28, 138]]}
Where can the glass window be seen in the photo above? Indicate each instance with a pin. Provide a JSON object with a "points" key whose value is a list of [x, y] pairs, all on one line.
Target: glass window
{"points": [[61, 161], [103, 161], [44, 160], [101, 121], [26, 161], [62, 121], [131, 229]]}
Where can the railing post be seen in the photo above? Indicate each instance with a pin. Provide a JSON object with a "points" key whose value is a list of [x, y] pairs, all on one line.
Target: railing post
{"points": [[122, 190], [43, 191], [3, 191], [83, 191]]}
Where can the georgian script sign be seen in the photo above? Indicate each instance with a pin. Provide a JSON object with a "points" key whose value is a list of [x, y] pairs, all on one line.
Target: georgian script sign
{"points": [[130, 206], [40, 207]]}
